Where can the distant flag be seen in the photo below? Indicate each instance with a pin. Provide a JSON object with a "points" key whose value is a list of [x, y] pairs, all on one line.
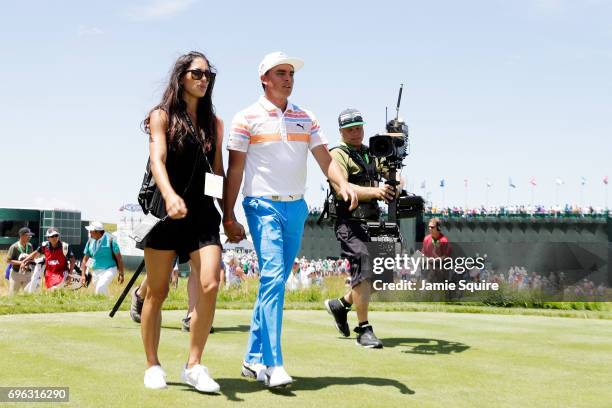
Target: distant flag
{"points": [[465, 182], [442, 183], [533, 181], [559, 181], [605, 180], [423, 184], [583, 180], [130, 207], [510, 183]]}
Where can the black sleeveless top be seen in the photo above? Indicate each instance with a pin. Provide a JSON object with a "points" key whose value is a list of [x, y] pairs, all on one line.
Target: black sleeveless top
{"points": [[189, 162]]}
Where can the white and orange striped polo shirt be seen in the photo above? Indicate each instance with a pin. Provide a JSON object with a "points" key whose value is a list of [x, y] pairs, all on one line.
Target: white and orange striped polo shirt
{"points": [[277, 145]]}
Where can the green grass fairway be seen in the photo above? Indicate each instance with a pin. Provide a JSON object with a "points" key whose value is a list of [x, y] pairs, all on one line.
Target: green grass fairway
{"points": [[429, 360]]}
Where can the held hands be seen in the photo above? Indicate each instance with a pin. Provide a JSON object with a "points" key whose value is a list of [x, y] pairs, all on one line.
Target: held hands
{"points": [[348, 194], [175, 206], [234, 231]]}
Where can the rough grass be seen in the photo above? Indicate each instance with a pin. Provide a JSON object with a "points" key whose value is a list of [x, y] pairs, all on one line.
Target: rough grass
{"points": [[429, 360]]}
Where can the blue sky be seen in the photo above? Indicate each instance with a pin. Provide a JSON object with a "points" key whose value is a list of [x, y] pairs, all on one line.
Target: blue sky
{"points": [[492, 89]]}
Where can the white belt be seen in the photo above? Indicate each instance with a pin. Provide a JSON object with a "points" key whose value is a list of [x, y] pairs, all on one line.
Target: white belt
{"points": [[290, 197]]}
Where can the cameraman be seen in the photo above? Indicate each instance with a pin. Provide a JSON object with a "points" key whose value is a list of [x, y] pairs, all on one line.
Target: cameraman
{"points": [[361, 169]]}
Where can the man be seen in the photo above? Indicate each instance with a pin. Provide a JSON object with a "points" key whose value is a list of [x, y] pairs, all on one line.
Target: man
{"points": [[436, 245], [19, 276], [293, 281], [59, 259], [270, 141], [307, 275], [104, 252], [351, 226]]}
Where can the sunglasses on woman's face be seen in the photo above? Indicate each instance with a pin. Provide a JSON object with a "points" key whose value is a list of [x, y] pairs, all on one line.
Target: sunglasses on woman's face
{"points": [[197, 74]]}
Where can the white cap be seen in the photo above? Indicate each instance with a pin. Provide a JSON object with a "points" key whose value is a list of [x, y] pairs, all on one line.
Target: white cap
{"points": [[51, 232], [277, 58], [95, 226]]}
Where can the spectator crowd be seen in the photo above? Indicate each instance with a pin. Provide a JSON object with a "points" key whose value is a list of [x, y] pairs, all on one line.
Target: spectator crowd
{"points": [[518, 210]]}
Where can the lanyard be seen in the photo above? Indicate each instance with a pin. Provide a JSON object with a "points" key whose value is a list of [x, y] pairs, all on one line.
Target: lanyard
{"points": [[97, 243], [21, 250]]}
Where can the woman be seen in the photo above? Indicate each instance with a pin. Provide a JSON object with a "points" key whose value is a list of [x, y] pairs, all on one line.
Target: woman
{"points": [[185, 143], [234, 274]]}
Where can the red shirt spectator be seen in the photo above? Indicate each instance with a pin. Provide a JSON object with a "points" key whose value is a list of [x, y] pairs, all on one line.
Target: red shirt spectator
{"points": [[436, 244]]}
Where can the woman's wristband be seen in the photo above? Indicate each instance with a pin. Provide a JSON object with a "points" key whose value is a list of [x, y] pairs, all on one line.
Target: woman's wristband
{"points": [[228, 222]]}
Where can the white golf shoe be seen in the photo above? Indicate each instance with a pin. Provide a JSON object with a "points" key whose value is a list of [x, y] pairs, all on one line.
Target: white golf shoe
{"points": [[254, 370], [198, 377], [155, 378], [277, 377]]}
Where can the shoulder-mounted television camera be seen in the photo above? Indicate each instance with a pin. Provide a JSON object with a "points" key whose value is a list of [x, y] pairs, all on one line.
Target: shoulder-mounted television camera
{"points": [[391, 147]]}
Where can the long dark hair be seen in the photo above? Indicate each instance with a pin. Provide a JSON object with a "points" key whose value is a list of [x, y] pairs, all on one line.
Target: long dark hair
{"points": [[172, 103]]}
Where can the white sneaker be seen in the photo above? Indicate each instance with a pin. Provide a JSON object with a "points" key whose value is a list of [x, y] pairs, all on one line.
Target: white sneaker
{"points": [[277, 377], [155, 378], [254, 370], [198, 377]]}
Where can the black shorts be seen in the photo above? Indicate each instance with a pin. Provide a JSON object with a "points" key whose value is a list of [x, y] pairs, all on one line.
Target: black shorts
{"points": [[352, 235], [186, 235]]}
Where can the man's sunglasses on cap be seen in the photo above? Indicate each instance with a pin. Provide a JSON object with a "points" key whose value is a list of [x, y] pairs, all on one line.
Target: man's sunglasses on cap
{"points": [[197, 74], [350, 119]]}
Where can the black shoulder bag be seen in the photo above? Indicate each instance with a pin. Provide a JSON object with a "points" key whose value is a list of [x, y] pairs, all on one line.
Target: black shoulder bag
{"points": [[149, 196]]}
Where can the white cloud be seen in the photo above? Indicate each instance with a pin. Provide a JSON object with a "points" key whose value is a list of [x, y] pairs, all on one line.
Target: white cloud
{"points": [[158, 9], [88, 31]]}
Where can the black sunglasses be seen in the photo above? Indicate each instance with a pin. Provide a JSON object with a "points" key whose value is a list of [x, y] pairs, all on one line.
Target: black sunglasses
{"points": [[351, 119], [197, 74]]}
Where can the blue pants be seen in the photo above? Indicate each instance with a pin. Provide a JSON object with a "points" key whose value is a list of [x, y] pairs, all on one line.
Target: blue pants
{"points": [[276, 228]]}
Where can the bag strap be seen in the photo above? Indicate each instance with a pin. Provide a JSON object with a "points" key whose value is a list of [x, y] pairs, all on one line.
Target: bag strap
{"points": [[195, 134], [110, 237], [356, 158], [195, 165]]}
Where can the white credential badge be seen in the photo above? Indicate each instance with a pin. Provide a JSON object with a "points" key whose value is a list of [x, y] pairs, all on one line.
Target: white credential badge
{"points": [[213, 186]]}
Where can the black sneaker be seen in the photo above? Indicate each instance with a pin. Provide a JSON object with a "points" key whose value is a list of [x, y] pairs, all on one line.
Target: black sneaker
{"points": [[136, 306], [336, 308], [186, 325], [366, 337]]}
